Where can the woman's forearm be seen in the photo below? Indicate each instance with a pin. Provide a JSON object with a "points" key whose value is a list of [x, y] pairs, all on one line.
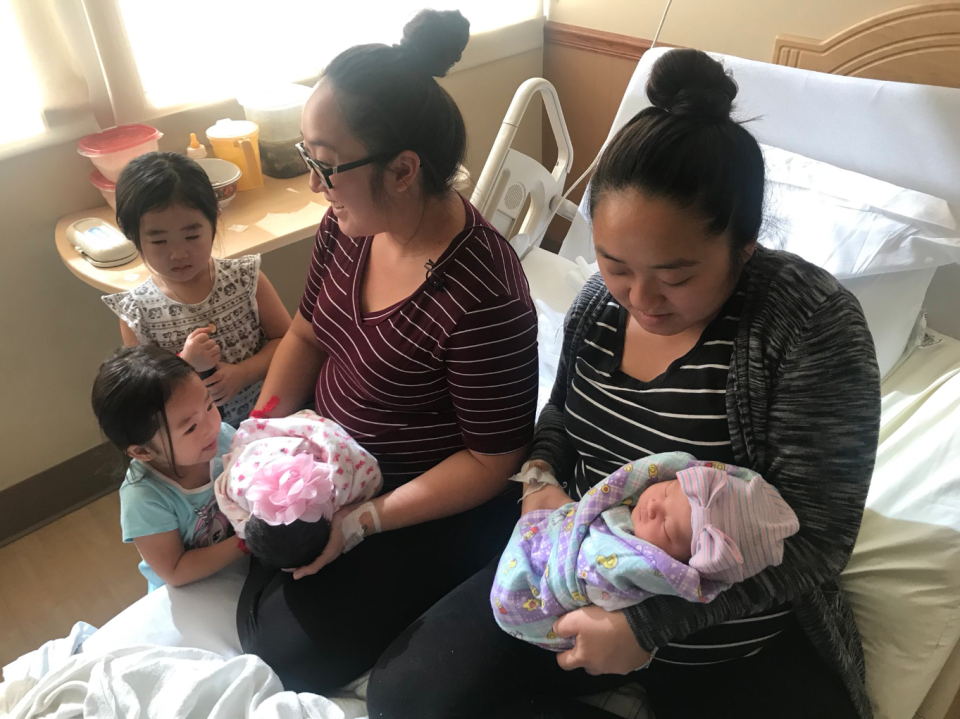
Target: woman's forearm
{"points": [[552, 445], [460, 482], [255, 368], [293, 370]]}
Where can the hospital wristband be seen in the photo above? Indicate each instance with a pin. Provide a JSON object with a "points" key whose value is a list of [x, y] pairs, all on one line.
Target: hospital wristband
{"points": [[649, 661], [535, 475], [353, 531]]}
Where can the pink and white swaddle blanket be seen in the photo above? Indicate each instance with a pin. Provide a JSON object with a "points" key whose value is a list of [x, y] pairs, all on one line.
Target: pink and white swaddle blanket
{"points": [[301, 467]]}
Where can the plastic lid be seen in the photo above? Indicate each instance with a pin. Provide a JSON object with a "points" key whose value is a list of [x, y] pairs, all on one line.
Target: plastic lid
{"points": [[98, 180], [117, 139], [275, 97], [231, 129]]}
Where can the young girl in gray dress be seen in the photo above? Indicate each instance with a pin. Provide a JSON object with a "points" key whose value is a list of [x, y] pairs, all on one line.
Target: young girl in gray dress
{"points": [[220, 315]]}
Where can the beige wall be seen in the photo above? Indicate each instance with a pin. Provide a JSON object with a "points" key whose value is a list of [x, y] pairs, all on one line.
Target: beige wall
{"points": [[54, 330], [745, 28]]}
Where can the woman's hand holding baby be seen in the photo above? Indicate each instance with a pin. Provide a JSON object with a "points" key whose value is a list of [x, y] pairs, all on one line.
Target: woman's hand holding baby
{"points": [[605, 642], [333, 549], [338, 541], [200, 351]]}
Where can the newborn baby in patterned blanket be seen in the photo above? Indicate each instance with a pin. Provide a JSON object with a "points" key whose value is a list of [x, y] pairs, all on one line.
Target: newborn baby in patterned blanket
{"points": [[283, 480], [666, 524]]}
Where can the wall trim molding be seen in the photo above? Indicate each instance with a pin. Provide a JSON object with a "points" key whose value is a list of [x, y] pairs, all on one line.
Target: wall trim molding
{"points": [[59, 490], [598, 41]]}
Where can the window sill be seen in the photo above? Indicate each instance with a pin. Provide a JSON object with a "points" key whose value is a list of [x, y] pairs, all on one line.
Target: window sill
{"points": [[279, 213]]}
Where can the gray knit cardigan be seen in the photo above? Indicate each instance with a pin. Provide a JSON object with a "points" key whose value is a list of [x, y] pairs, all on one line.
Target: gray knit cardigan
{"points": [[803, 406]]}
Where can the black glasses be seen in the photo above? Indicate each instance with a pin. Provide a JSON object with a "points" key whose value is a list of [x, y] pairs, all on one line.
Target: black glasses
{"points": [[325, 173]]}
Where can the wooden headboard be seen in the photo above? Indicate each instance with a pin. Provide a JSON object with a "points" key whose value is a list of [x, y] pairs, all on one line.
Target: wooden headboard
{"points": [[918, 44]]}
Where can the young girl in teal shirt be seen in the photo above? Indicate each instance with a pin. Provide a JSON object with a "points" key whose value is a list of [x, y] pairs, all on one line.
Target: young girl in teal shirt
{"points": [[155, 408]]}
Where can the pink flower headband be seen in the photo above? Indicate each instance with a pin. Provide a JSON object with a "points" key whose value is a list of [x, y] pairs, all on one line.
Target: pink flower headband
{"points": [[290, 488]]}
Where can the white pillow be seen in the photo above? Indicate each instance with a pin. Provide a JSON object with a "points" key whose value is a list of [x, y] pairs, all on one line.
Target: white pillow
{"points": [[853, 225], [881, 241], [893, 307]]}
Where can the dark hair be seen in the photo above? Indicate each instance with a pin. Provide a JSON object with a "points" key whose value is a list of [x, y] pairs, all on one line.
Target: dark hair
{"points": [[687, 149], [286, 546], [131, 392], [157, 180], [391, 102]]}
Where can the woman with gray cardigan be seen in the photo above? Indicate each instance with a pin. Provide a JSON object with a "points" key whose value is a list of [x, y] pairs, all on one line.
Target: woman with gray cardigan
{"points": [[690, 338]]}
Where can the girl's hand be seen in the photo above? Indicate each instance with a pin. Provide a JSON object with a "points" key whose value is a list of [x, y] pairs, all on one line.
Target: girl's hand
{"points": [[550, 497], [199, 351], [605, 643], [334, 546], [226, 382]]}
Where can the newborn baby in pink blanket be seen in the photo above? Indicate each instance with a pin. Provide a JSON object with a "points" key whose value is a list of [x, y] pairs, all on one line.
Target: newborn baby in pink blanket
{"points": [[283, 480]]}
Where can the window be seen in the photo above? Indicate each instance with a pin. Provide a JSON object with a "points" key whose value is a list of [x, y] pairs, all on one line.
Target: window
{"points": [[22, 108], [82, 63], [193, 52]]}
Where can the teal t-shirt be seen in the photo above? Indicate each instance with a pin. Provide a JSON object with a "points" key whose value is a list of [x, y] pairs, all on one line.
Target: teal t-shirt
{"points": [[151, 503]]}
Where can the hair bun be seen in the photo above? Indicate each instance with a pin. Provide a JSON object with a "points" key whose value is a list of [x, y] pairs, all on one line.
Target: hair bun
{"points": [[690, 83], [434, 40]]}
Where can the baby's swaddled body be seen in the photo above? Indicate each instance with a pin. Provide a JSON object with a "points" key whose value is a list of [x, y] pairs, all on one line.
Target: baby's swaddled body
{"points": [[283, 480], [601, 549]]}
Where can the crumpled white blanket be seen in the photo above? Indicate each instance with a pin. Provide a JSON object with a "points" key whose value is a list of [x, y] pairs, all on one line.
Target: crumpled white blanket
{"points": [[20, 675], [150, 682]]}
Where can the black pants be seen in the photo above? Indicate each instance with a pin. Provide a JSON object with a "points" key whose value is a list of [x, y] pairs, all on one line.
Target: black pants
{"points": [[321, 632], [456, 662]]}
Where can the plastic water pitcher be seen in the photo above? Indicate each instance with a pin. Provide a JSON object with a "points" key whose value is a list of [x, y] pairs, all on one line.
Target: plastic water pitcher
{"points": [[236, 141], [276, 108]]}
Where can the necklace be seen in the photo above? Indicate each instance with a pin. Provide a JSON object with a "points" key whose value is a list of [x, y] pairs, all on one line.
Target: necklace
{"points": [[174, 292]]}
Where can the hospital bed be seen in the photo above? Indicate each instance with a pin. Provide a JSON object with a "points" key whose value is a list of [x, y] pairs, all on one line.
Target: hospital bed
{"points": [[904, 577]]}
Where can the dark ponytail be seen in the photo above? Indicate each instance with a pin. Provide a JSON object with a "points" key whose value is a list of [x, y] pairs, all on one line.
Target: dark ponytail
{"points": [[687, 149], [391, 102], [131, 392]]}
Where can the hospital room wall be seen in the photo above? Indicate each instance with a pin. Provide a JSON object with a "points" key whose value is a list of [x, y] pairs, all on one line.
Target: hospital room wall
{"points": [[54, 330], [745, 28]]}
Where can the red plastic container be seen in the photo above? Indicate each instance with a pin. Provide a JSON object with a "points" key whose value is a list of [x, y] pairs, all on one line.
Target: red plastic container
{"points": [[112, 149]]}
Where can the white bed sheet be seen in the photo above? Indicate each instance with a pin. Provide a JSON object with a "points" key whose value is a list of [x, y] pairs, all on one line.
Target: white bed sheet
{"points": [[920, 437], [904, 576]]}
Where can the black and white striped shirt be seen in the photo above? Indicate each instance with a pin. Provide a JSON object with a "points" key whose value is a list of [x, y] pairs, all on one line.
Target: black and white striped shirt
{"points": [[803, 408], [612, 418]]}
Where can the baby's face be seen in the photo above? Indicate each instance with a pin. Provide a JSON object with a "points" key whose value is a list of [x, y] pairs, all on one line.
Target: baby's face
{"points": [[662, 517]]}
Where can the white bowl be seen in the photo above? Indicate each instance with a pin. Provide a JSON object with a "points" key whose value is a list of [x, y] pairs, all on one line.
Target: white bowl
{"points": [[224, 177]]}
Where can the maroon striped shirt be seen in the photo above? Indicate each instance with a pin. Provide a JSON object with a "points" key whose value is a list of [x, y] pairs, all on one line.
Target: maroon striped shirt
{"points": [[445, 369]]}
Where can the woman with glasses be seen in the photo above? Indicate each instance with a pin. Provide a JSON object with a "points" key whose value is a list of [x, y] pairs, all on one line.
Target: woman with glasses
{"points": [[417, 334]]}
